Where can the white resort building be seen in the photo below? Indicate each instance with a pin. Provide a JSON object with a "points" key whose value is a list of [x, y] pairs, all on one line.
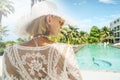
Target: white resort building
{"points": [[115, 26]]}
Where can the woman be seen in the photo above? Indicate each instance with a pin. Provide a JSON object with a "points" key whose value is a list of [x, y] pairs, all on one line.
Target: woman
{"points": [[41, 58]]}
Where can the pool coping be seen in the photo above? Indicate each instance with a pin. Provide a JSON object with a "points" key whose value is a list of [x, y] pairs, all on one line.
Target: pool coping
{"points": [[77, 47], [116, 46], [100, 70]]}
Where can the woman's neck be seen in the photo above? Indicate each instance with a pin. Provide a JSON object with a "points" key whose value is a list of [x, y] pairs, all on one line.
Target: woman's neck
{"points": [[42, 40], [39, 41]]}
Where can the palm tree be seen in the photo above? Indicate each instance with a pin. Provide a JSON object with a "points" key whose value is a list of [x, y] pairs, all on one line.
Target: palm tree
{"points": [[75, 35], [6, 7], [106, 34], [64, 32], [70, 35], [106, 31], [83, 37], [3, 32]]}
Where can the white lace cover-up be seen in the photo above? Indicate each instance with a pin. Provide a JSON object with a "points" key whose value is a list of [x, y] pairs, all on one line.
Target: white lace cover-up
{"points": [[52, 62]]}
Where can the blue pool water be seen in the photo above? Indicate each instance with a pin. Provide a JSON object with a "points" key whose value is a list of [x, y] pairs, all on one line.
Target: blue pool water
{"points": [[99, 57]]}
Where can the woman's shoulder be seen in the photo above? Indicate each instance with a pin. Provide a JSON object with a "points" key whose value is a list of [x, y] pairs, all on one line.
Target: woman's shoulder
{"points": [[9, 47], [63, 44], [56, 45]]}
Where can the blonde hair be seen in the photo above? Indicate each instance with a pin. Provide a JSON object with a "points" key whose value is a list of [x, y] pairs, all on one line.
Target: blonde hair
{"points": [[38, 26]]}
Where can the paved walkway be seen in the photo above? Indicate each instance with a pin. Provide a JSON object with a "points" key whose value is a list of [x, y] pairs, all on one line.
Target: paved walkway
{"points": [[100, 75], [0, 65]]}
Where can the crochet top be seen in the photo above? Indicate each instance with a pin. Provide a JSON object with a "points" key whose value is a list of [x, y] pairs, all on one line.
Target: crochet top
{"points": [[51, 62]]}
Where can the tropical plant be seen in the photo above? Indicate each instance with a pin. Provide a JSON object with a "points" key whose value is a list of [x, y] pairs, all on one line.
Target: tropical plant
{"points": [[9, 43], [2, 46]]}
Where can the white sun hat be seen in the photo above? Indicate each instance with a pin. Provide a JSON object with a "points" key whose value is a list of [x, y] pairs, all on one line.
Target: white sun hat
{"points": [[45, 8], [39, 9]]}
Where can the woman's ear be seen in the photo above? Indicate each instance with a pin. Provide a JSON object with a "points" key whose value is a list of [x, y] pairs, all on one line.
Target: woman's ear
{"points": [[48, 19]]}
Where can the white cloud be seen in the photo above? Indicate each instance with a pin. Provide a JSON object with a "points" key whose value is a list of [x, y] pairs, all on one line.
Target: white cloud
{"points": [[108, 1]]}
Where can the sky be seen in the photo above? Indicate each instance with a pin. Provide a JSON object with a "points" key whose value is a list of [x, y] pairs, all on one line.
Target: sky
{"points": [[83, 13]]}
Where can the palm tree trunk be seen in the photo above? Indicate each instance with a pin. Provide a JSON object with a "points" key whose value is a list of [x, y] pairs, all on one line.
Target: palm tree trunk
{"points": [[35, 1], [0, 19], [0, 25], [32, 3]]}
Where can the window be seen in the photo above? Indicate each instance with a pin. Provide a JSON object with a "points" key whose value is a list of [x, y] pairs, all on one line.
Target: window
{"points": [[114, 28], [117, 20], [117, 28], [119, 34], [115, 34]]}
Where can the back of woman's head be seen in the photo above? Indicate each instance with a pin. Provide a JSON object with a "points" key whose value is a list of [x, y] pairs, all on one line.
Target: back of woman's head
{"points": [[38, 27]]}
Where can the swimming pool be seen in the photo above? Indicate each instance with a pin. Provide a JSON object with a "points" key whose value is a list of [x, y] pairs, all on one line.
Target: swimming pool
{"points": [[99, 57]]}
